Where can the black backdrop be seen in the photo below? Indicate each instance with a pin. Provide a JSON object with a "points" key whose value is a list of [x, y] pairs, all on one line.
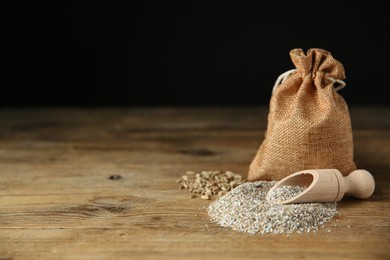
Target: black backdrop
{"points": [[185, 52]]}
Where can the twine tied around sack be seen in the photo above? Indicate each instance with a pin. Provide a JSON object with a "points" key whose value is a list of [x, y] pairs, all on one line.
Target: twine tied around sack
{"points": [[340, 84]]}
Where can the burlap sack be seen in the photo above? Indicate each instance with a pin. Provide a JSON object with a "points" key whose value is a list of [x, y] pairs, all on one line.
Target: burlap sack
{"points": [[309, 126]]}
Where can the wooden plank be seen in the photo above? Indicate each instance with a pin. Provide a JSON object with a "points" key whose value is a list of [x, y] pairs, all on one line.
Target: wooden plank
{"points": [[37, 122], [58, 202]]}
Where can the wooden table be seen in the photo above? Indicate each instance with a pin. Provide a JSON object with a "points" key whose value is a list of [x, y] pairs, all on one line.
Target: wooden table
{"points": [[100, 184]]}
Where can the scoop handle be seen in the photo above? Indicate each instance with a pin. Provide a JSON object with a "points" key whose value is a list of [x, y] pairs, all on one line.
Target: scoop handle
{"points": [[359, 184]]}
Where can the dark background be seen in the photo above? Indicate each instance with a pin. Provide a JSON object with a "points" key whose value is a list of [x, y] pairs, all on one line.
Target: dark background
{"points": [[79, 53]]}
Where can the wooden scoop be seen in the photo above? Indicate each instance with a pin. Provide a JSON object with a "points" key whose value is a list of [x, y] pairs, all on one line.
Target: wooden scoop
{"points": [[328, 185]]}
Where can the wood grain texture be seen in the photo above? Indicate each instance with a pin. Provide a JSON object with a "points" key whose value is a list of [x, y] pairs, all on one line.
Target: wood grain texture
{"points": [[57, 200]]}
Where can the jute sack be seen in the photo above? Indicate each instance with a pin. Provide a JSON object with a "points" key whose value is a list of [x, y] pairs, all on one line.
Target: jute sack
{"points": [[309, 125]]}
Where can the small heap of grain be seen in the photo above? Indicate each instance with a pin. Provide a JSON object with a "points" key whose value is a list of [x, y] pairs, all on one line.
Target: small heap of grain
{"points": [[246, 209], [209, 183]]}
